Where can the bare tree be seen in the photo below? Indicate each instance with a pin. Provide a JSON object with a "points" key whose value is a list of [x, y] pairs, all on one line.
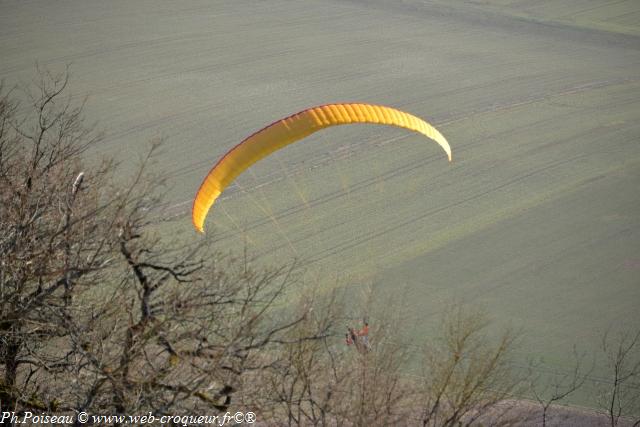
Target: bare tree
{"points": [[101, 310], [53, 242], [466, 374], [301, 386], [379, 391], [621, 396], [548, 393], [333, 383]]}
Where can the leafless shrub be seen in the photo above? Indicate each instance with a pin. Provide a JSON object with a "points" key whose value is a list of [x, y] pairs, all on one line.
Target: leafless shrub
{"points": [[102, 313], [466, 374], [561, 386], [620, 397], [332, 383]]}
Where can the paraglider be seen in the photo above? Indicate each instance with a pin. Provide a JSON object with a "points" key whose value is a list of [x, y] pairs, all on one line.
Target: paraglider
{"points": [[294, 128]]}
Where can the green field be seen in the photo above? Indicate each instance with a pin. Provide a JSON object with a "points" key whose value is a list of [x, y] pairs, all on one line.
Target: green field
{"points": [[538, 216]]}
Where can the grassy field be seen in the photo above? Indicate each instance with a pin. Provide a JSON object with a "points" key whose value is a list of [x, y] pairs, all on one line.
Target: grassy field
{"points": [[538, 216]]}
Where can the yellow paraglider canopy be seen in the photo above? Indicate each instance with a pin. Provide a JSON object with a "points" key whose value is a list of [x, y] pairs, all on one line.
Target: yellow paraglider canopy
{"points": [[291, 129]]}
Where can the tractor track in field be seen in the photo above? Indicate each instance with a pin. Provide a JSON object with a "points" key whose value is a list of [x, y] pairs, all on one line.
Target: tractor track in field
{"points": [[354, 149], [349, 244], [346, 245], [438, 122]]}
